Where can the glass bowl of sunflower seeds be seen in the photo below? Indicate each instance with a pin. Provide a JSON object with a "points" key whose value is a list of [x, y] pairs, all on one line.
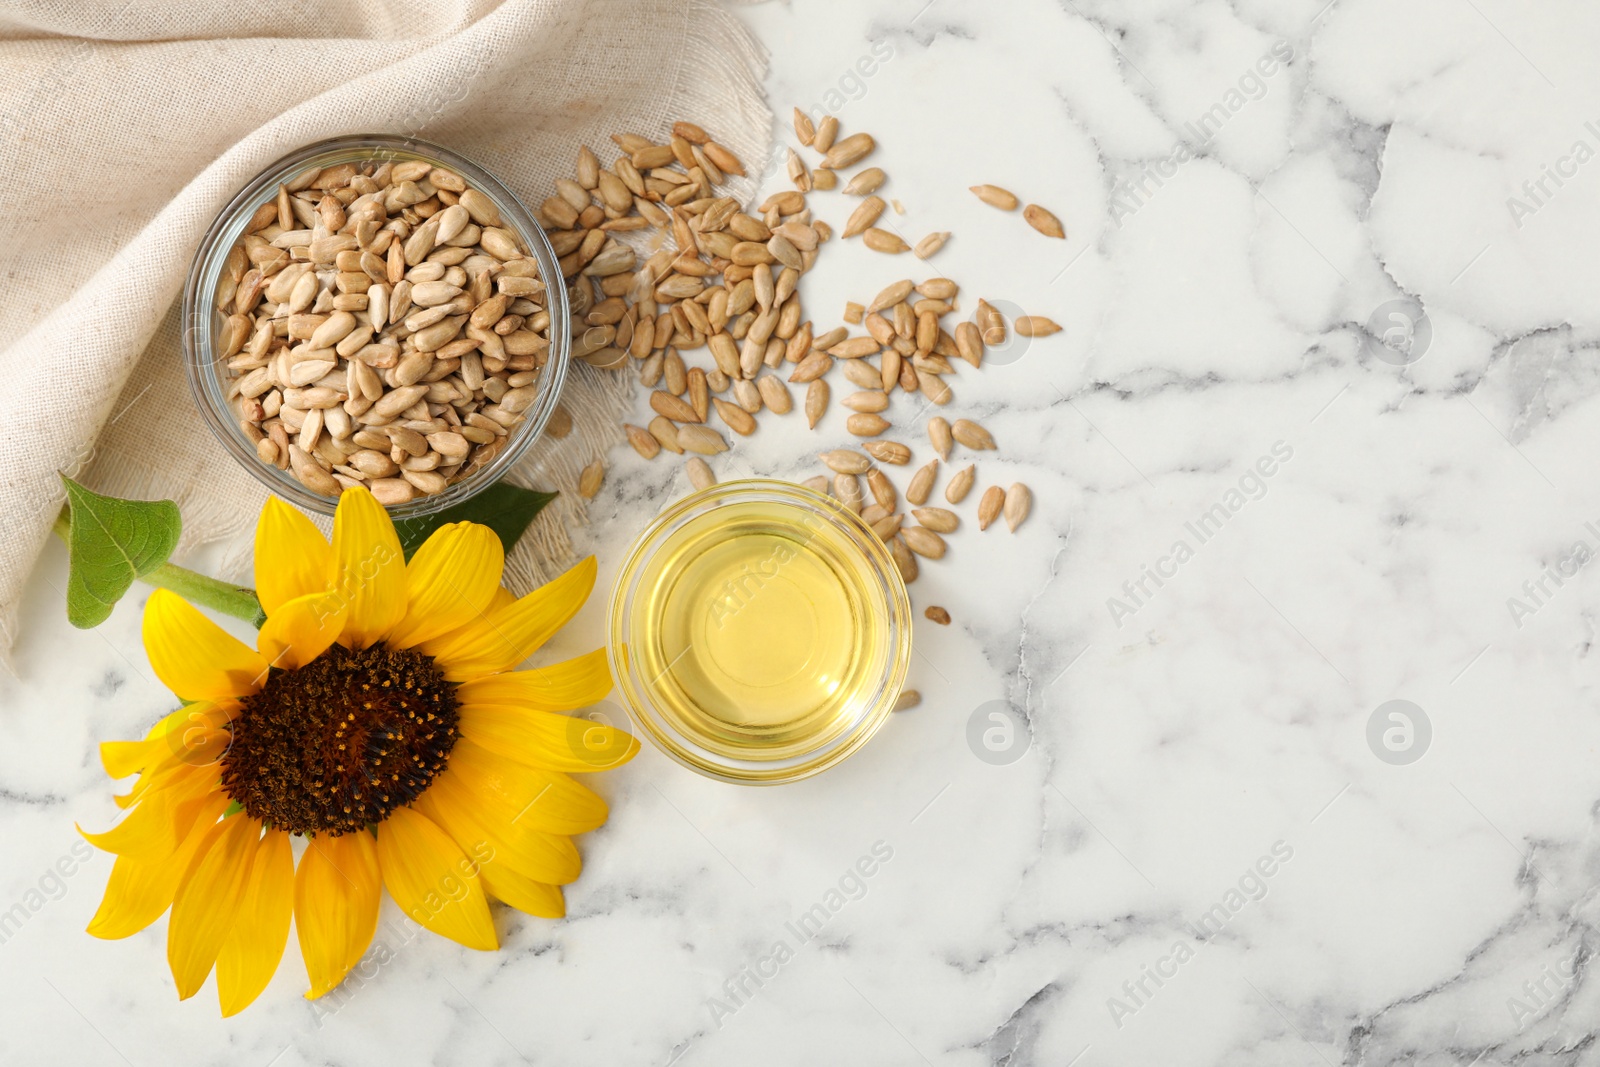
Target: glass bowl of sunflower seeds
{"points": [[379, 311]]}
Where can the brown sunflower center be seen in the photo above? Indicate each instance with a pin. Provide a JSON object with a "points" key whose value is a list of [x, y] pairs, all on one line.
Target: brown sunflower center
{"points": [[341, 742]]}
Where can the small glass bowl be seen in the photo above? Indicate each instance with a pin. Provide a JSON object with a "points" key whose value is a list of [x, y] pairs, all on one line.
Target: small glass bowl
{"points": [[845, 580], [203, 321]]}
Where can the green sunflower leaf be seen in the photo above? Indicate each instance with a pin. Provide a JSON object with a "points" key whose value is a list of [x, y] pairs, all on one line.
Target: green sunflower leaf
{"points": [[504, 508], [110, 542]]}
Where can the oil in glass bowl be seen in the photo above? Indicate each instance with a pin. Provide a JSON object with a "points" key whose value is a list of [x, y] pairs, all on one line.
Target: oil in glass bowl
{"points": [[761, 631]]}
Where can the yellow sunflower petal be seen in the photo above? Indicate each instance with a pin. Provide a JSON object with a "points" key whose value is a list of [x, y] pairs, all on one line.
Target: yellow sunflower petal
{"points": [[564, 686], [513, 793], [533, 853], [158, 823], [301, 629], [336, 893], [521, 892], [451, 580], [207, 901], [193, 656], [292, 556], [142, 887], [544, 739], [433, 881], [507, 636], [250, 955], [369, 571], [185, 730]]}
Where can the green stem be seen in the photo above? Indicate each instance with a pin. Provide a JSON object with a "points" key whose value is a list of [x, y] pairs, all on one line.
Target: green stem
{"points": [[236, 600], [197, 588]]}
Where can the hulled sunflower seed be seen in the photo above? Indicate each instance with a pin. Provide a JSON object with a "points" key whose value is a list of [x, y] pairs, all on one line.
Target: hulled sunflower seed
{"points": [[1043, 221], [1019, 501], [848, 491], [904, 561], [937, 614], [701, 439], [866, 424], [960, 484], [844, 461], [888, 452], [699, 472], [851, 150], [972, 435], [892, 294], [642, 441], [921, 484], [674, 408], [817, 484], [816, 402], [937, 519], [929, 245], [1035, 326], [995, 196], [827, 130], [865, 214], [923, 541], [738, 419], [589, 481], [774, 394], [882, 489], [939, 435], [884, 241], [866, 181], [989, 506], [665, 431], [805, 131]]}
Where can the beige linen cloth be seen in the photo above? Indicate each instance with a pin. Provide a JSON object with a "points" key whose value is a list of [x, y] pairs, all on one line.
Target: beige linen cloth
{"points": [[127, 125]]}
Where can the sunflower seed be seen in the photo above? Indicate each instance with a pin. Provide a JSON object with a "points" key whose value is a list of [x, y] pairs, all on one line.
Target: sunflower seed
{"points": [[931, 244], [923, 541], [848, 491], [816, 402], [892, 294], [937, 614], [827, 131], [940, 436], [665, 431], [868, 400], [702, 439], [1019, 501], [882, 489], [589, 481], [937, 519], [844, 461], [960, 484], [884, 241], [1035, 326], [887, 526], [774, 394], [866, 181], [849, 151], [642, 441], [1043, 221], [805, 131], [995, 196], [989, 506], [972, 435], [699, 471], [922, 482], [888, 452], [674, 408], [865, 214], [866, 424], [905, 562], [738, 419]]}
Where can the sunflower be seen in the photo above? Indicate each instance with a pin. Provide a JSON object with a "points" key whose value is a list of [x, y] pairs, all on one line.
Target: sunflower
{"points": [[379, 719]]}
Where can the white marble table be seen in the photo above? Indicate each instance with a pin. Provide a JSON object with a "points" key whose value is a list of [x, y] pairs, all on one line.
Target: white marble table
{"points": [[1216, 848]]}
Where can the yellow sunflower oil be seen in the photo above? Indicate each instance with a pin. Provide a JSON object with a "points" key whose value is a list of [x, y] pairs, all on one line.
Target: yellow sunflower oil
{"points": [[757, 631]]}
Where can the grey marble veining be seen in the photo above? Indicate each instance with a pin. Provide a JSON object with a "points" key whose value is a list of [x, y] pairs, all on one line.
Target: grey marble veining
{"points": [[1214, 838]]}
